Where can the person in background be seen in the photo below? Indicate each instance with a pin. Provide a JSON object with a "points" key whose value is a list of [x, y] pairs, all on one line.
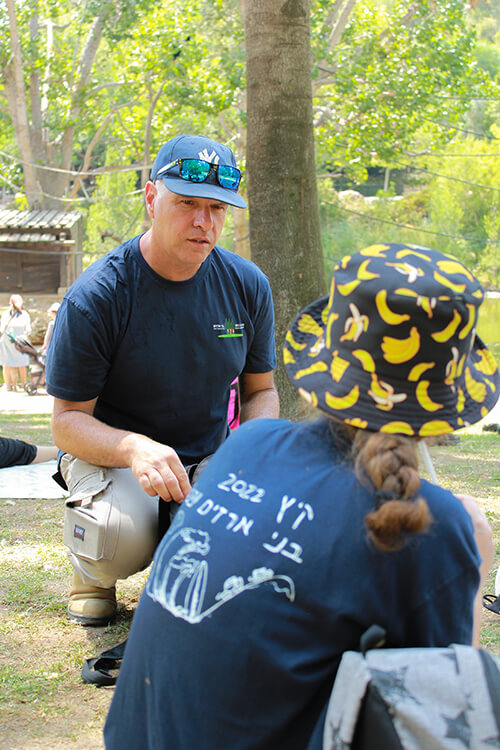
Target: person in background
{"points": [[19, 453], [300, 536], [16, 322], [52, 313], [145, 347]]}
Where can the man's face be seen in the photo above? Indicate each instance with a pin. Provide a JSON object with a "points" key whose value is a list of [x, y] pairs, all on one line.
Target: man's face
{"points": [[185, 229]]}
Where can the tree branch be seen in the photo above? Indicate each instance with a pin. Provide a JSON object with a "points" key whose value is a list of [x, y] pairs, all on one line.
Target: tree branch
{"points": [[338, 18], [20, 111]]}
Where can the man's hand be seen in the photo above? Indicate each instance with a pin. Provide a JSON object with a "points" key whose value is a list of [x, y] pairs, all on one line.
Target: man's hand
{"points": [[156, 467], [159, 470]]}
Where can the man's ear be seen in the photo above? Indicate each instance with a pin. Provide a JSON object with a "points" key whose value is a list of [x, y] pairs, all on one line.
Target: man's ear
{"points": [[150, 193]]}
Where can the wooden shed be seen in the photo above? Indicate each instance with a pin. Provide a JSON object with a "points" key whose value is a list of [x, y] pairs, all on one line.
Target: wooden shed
{"points": [[40, 251]]}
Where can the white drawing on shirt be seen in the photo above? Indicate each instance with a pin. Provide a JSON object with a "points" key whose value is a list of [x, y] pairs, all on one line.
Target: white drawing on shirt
{"points": [[180, 584]]}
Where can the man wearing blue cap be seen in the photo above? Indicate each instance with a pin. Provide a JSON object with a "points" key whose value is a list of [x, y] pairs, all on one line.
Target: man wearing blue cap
{"points": [[146, 344]]}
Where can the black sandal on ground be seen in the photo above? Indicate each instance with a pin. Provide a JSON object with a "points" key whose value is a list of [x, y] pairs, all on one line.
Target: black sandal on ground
{"points": [[95, 671], [492, 603]]}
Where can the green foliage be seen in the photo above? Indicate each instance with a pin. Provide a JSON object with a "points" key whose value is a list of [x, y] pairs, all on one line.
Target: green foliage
{"points": [[400, 71], [469, 208], [116, 212], [395, 71]]}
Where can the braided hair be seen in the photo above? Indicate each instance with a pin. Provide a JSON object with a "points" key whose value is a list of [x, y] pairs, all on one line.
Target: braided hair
{"points": [[389, 464]]}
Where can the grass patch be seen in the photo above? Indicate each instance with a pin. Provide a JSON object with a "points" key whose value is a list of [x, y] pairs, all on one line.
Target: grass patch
{"points": [[34, 428]]}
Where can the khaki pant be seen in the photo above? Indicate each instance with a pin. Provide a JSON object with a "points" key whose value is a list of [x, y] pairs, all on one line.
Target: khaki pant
{"points": [[110, 525]]}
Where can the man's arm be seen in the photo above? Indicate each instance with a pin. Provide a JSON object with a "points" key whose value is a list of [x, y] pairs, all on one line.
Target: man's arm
{"points": [[259, 397], [156, 467]]}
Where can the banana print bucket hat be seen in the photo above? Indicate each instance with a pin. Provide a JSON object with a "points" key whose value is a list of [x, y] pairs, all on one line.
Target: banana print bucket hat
{"points": [[393, 348]]}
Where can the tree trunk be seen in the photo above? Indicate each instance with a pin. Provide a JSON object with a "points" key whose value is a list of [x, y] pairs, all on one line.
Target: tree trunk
{"points": [[19, 112], [284, 217]]}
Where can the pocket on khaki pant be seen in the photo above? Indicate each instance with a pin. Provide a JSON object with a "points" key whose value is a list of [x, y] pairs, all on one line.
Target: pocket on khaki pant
{"points": [[91, 520]]}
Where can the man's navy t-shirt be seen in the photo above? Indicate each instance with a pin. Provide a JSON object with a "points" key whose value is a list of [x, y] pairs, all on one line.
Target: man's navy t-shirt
{"points": [[263, 580], [161, 355]]}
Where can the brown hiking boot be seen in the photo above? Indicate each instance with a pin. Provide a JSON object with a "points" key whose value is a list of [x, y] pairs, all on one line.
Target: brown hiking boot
{"points": [[91, 605]]}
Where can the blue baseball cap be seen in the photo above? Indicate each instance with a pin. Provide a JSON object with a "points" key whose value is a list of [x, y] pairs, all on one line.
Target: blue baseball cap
{"points": [[196, 147]]}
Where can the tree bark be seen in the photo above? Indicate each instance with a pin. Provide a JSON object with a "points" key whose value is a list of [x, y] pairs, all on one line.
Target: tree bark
{"points": [[19, 112], [282, 195]]}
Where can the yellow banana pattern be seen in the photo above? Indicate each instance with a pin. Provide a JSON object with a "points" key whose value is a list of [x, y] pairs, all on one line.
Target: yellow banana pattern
{"points": [[476, 390], [364, 274], [486, 364], [331, 320], [397, 351], [354, 325], [307, 324], [471, 322], [338, 367], [316, 367], [347, 289], [389, 317], [418, 370], [449, 330], [383, 394], [435, 427], [395, 338], [423, 397], [450, 267], [343, 402], [294, 344], [366, 359], [459, 288], [361, 424], [401, 428]]}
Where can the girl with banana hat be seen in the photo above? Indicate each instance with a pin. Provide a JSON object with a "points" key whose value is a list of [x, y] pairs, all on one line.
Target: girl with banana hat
{"points": [[298, 537]]}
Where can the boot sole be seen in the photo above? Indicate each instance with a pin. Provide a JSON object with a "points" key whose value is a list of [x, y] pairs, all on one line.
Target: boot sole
{"points": [[91, 620]]}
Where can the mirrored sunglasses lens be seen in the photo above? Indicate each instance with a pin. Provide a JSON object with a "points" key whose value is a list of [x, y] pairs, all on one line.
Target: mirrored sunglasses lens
{"points": [[194, 170], [229, 177]]}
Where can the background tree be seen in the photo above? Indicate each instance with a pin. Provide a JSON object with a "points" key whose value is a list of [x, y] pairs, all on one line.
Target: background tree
{"points": [[281, 173], [48, 86], [103, 84]]}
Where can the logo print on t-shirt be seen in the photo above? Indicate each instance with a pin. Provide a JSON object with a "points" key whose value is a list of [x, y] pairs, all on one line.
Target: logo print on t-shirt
{"points": [[230, 329]]}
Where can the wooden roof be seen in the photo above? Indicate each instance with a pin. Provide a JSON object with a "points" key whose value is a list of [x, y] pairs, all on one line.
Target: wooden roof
{"points": [[22, 228]]}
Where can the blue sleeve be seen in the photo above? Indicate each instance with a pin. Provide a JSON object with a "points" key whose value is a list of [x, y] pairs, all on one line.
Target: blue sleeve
{"points": [[79, 354], [261, 356]]}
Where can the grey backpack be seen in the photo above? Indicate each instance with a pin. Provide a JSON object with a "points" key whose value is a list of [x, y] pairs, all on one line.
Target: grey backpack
{"points": [[414, 699]]}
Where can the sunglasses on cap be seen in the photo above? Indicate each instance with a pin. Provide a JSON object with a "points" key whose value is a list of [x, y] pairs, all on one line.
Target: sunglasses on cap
{"points": [[198, 170]]}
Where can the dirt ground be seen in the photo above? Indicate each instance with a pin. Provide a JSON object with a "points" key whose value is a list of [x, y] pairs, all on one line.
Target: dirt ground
{"points": [[44, 704]]}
